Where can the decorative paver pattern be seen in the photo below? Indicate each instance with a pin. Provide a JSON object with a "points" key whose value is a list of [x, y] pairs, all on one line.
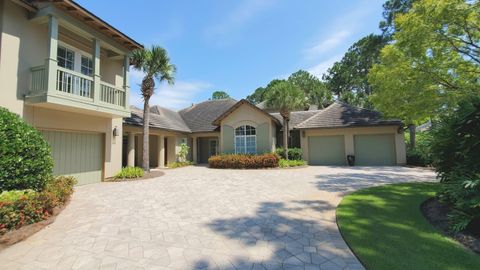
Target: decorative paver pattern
{"points": [[200, 218]]}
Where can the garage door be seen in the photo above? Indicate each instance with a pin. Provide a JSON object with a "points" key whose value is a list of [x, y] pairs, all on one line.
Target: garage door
{"points": [[374, 150], [77, 154], [326, 150]]}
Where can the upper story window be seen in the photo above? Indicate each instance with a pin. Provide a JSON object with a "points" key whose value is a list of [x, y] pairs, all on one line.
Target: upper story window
{"points": [[87, 66], [65, 58], [245, 140]]}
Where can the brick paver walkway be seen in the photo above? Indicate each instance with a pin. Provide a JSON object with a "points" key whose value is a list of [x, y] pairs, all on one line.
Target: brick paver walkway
{"points": [[199, 218]]}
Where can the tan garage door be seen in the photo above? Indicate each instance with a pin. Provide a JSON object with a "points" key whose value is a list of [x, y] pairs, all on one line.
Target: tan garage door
{"points": [[77, 154]]}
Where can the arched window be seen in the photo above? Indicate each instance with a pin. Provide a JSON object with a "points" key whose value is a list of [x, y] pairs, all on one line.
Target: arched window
{"points": [[245, 140]]}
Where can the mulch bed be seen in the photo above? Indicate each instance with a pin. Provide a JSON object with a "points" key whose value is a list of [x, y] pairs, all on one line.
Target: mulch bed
{"points": [[15, 236], [147, 175], [437, 214]]}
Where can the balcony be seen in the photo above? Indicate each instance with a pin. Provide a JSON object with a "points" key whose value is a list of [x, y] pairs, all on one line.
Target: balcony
{"points": [[78, 90], [85, 73]]}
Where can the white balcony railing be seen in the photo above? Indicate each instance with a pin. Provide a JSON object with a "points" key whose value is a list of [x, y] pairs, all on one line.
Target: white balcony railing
{"points": [[74, 83], [111, 94]]}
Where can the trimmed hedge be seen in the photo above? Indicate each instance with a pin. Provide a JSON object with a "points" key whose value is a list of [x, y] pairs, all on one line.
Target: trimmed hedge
{"points": [[241, 161], [22, 207], [293, 153], [25, 160]]}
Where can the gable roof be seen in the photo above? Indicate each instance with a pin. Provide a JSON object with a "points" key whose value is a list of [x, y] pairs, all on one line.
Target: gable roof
{"points": [[199, 117], [340, 114], [217, 121], [159, 118]]}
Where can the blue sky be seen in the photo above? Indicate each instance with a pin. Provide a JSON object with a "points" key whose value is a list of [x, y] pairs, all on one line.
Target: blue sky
{"points": [[238, 46]]}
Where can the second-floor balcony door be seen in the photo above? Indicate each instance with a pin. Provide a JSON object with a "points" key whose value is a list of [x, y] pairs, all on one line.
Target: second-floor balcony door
{"points": [[68, 80]]}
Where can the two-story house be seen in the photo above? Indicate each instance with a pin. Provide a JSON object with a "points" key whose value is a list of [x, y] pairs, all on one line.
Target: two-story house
{"points": [[65, 71]]}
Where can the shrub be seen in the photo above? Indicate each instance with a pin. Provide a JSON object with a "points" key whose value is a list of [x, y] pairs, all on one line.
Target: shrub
{"points": [[182, 154], [25, 159], [283, 163], [129, 172], [179, 164], [243, 161], [421, 155], [293, 153], [456, 155], [23, 207]]}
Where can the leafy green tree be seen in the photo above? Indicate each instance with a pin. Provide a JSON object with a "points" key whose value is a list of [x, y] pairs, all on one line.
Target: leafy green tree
{"points": [[314, 89], [347, 79], [286, 97], [433, 62], [392, 8], [220, 95], [155, 64], [257, 96]]}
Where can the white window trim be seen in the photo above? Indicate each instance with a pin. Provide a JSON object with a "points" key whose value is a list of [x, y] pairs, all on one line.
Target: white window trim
{"points": [[244, 139], [77, 58]]}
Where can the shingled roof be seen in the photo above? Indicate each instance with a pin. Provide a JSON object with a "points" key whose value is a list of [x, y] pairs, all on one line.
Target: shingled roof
{"points": [[199, 117], [296, 117], [340, 114], [159, 118]]}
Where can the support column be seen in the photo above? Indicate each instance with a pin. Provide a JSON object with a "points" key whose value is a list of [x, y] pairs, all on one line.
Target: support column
{"points": [[51, 61], [194, 149], [131, 150], [126, 83], [161, 151], [96, 70]]}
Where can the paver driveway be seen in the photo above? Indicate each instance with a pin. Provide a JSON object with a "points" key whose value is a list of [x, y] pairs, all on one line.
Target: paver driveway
{"points": [[195, 218]]}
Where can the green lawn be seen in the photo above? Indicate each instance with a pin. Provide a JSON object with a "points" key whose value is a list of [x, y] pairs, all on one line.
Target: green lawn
{"points": [[385, 228]]}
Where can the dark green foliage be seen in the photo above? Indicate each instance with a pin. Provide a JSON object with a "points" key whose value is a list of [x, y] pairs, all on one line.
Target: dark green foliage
{"points": [[348, 78], [22, 207], [391, 9], [421, 155], [243, 161], [456, 154], [257, 96], [220, 95], [293, 153], [25, 159]]}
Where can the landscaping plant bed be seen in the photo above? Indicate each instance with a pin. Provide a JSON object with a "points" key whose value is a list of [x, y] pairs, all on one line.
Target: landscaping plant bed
{"points": [[437, 214], [15, 236], [146, 175]]}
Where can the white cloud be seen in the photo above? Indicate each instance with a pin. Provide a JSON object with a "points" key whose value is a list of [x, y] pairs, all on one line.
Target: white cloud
{"points": [[237, 18], [319, 69], [177, 96], [327, 44]]}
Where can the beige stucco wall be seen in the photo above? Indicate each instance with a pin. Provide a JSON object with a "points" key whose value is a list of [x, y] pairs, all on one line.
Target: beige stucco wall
{"points": [[23, 45], [173, 141], [348, 133], [246, 115]]}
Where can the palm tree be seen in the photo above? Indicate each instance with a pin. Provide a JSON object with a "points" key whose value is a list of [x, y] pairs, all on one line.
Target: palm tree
{"points": [[155, 64], [285, 97]]}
